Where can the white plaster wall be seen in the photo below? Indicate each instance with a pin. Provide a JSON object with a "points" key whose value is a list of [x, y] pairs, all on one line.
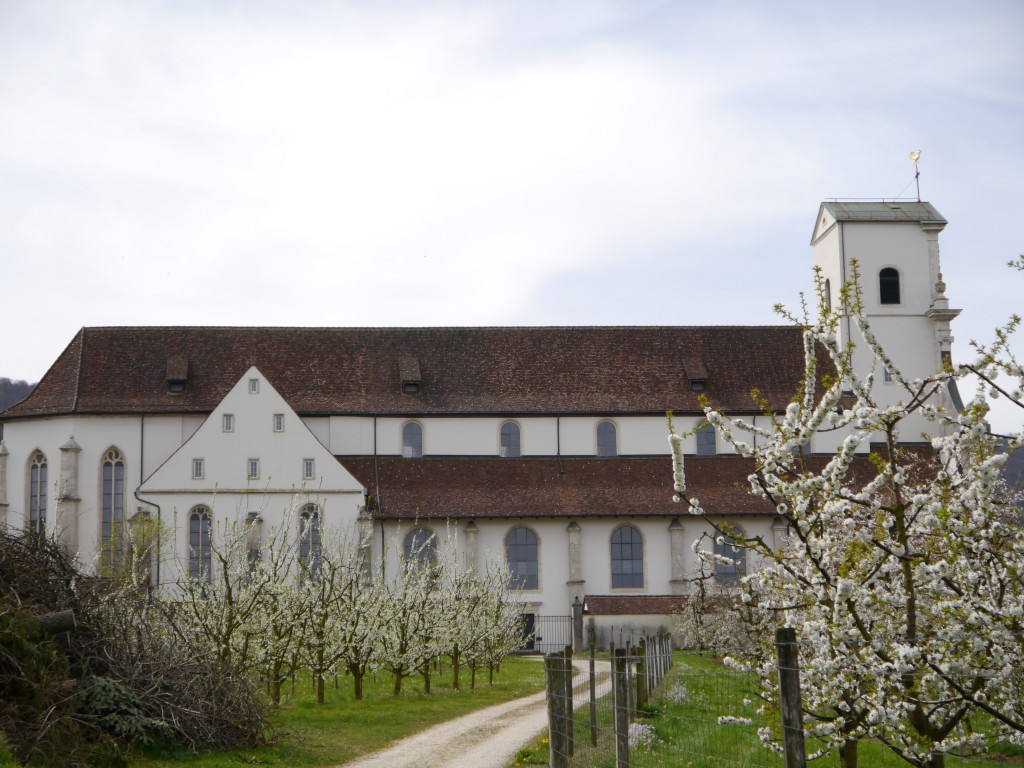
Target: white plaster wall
{"points": [[351, 435]]}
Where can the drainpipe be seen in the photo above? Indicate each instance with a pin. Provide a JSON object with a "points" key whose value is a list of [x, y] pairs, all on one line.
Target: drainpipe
{"points": [[142, 476]]}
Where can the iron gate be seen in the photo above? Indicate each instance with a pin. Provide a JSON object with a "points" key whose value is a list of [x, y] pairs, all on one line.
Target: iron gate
{"points": [[545, 634]]}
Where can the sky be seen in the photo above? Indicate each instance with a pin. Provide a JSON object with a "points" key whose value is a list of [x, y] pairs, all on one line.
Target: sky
{"points": [[393, 163]]}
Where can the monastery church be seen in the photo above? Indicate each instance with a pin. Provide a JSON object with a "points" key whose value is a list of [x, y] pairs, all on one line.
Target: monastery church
{"points": [[543, 447]]}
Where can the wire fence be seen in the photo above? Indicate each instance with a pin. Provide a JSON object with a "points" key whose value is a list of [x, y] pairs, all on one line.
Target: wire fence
{"points": [[646, 707]]}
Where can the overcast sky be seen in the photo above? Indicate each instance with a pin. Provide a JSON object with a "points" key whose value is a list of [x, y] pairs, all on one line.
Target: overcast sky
{"points": [[520, 163]]}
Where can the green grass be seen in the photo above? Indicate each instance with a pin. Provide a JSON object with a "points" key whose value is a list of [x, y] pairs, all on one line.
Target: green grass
{"points": [[342, 729]]}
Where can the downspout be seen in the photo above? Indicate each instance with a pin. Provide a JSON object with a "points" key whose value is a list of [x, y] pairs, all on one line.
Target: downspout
{"points": [[376, 490], [842, 267], [142, 477], [558, 443]]}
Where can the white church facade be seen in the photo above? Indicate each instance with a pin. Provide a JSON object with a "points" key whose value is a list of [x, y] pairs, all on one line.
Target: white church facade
{"points": [[542, 447]]}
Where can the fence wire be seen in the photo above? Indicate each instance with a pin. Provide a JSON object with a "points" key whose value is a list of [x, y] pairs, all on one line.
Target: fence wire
{"points": [[647, 707]]}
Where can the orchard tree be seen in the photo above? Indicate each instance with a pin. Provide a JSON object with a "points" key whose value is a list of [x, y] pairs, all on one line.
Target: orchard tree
{"points": [[903, 572]]}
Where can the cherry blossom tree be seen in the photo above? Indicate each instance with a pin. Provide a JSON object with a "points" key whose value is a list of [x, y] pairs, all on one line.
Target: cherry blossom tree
{"points": [[903, 571]]}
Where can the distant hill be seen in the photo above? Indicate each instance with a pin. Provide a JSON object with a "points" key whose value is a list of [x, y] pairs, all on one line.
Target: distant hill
{"points": [[13, 391]]}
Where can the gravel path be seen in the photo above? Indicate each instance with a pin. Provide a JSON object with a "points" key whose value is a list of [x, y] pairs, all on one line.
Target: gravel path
{"points": [[487, 738]]}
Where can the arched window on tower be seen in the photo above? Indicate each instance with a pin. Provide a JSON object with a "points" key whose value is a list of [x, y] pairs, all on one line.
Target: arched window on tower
{"points": [[889, 286], [37, 493], [607, 444], [111, 533]]}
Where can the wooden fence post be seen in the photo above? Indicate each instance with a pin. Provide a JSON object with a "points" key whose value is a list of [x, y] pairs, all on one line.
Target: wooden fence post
{"points": [[593, 695], [570, 722], [642, 680], [619, 688], [559, 756], [789, 696]]}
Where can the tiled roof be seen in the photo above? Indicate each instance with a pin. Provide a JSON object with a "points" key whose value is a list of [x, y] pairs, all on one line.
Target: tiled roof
{"points": [[464, 370], [461, 488], [631, 605]]}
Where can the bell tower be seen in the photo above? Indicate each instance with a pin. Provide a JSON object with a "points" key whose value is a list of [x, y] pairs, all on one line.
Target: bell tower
{"points": [[894, 246]]}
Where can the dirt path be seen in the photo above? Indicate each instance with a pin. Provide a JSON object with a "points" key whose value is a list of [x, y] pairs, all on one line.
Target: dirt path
{"points": [[487, 738]]}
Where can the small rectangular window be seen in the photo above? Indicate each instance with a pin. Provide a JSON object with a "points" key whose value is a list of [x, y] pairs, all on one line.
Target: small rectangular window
{"points": [[254, 469], [254, 386], [229, 422], [279, 422], [198, 469], [308, 469], [887, 376]]}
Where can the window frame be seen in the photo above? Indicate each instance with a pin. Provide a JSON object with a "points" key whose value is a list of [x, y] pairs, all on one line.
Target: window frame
{"points": [[254, 386], [620, 576], [112, 514], [227, 422], [528, 582], [705, 432], [38, 492], [311, 521], [200, 465], [890, 280], [602, 451], [200, 546], [252, 467], [417, 554], [514, 448], [309, 469], [726, 575], [409, 450], [277, 422]]}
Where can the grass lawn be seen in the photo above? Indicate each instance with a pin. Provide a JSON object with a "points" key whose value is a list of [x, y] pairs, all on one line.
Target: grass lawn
{"points": [[343, 729]]}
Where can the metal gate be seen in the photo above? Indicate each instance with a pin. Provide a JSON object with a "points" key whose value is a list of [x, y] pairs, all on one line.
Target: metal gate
{"points": [[545, 634]]}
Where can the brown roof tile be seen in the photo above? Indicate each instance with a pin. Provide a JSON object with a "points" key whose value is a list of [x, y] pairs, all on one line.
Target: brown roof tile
{"points": [[460, 488], [636, 605], [464, 370]]}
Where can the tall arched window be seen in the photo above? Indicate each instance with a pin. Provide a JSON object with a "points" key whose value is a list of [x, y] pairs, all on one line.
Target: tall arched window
{"points": [[607, 444], [509, 448], [627, 557], [111, 535], [727, 574], [419, 547], [200, 548], [889, 286], [521, 554], [309, 538], [37, 485], [412, 440], [706, 440]]}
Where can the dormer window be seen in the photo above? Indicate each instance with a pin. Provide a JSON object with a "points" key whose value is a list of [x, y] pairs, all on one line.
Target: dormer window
{"points": [[696, 373], [177, 373], [409, 373]]}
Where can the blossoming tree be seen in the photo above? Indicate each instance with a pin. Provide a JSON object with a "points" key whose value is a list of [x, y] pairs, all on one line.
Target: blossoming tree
{"points": [[902, 571]]}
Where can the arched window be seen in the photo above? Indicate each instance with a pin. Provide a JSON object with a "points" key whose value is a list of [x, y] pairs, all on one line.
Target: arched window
{"points": [[521, 554], [726, 574], [509, 448], [419, 547], [889, 286], [627, 557], [200, 551], [309, 538], [111, 534], [607, 445], [706, 440], [412, 440], [37, 485]]}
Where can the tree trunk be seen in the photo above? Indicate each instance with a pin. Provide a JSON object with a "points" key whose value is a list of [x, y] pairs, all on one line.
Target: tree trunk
{"points": [[455, 668], [320, 689], [426, 678], [398, 682], [848, 754], [357, 680]]}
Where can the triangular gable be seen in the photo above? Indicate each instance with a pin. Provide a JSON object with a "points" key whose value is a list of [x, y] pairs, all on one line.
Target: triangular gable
{"points": [[280, 448]]}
